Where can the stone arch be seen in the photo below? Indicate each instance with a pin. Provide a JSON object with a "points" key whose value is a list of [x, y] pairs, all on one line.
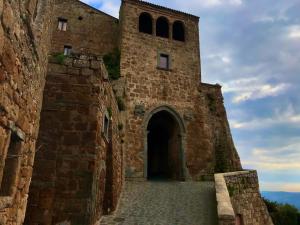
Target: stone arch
{"points": [[145, 23], [180, 172], [162, 27], [178, 31]]}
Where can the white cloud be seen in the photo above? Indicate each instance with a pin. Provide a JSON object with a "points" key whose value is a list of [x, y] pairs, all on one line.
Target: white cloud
{"points": [[253, 88], [294, 32], [287, 116], [111, 7], [282, 159], [277, 186], [198, 4], [211, 3]]}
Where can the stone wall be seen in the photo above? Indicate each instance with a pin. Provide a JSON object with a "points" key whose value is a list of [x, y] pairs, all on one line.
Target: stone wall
{"points": [[225, 158], [78, 171], [239, 199], [149, 88], [24, 45], [205, 138], [88, 29]]}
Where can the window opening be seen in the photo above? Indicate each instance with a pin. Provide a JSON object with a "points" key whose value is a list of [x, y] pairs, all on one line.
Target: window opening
{"points": [[145, 23], [11, 166], [162, 27], [178, 31], [164, 61], [62, 24], [106, 126], [67, 50]]}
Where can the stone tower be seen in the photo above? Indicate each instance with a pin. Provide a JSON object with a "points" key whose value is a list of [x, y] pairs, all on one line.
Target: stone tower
{"points": [[171, 131]]}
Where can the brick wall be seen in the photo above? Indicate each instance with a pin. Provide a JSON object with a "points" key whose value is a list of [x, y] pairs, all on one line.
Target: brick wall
{"points": [[77, 168], [88, 30], [24, 45]]}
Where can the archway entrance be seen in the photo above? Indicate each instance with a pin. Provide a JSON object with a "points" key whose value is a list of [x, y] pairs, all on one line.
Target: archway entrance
{"points": [[164, 154]]}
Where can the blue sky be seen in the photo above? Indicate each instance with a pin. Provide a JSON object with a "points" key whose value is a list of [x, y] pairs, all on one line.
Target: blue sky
{"points": [[252, 48]]}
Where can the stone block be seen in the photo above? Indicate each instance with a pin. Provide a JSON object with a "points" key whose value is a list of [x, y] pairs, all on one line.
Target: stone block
{"points": [[95, 64], [87, 72], [81, 63]]}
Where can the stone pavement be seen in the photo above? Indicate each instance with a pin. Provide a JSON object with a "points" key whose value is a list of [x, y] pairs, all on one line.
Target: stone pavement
{"points": [[165, 203]]}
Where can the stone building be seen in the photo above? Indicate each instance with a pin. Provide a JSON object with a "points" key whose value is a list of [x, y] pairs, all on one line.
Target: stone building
{"points": [[74, 134]]}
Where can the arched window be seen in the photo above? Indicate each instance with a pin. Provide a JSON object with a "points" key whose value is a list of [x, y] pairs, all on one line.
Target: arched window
{"points": [[162, 27], [178, 31], [145, 23]]}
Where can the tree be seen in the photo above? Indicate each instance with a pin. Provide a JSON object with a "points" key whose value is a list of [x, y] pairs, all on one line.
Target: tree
{"points": [[283, 214]]}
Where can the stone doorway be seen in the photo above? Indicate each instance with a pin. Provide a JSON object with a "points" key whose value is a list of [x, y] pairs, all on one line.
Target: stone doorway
{"points": [[164, 153]]}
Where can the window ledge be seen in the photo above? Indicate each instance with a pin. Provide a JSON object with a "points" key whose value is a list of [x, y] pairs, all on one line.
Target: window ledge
{"points": [[164, 69], [5, 202]]}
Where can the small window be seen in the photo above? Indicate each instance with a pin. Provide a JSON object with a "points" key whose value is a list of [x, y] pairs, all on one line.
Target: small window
{"points": [[67, 50], [145, 23], [11, 166], [164, 61], [106, 126], [162, 27], [62, 24]]}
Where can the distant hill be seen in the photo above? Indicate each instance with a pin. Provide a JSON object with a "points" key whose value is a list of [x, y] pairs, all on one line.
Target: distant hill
{"points": [[283, 197]]}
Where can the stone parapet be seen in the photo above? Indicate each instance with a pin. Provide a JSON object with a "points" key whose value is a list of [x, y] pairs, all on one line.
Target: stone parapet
{"points": [[239, 200], [225, 210]]}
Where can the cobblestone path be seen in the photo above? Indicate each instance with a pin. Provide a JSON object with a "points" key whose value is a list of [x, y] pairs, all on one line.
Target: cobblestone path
{"points": [[165, 203]]}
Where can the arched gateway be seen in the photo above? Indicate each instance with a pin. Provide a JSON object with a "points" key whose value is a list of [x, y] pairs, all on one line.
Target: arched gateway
{"points": [[164, 138]]}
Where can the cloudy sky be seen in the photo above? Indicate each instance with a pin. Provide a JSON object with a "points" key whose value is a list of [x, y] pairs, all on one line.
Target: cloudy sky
{"points": [[252, 48]]}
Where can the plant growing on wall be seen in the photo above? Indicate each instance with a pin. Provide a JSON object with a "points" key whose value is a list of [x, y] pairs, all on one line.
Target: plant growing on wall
{"points": [[59, 58], [109, 111], [120, 126], [112, 64], [121, 104]]}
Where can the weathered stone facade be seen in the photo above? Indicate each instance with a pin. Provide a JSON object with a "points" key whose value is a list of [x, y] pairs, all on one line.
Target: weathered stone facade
{"points": [[239, 199], [87, 30], [24, 44], [78, 166], [177, 88]]}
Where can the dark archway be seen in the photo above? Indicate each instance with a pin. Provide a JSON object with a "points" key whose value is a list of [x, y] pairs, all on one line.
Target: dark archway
{"points": [[145, 23], [164, 153], [162, 27], [178, 31]]}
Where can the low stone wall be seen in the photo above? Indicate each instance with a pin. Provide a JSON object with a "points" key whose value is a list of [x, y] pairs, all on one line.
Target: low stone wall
{"points": [[239, 199]]}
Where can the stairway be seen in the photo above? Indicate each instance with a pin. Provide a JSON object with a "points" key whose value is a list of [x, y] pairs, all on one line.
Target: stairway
{"points": [[165, 203]]}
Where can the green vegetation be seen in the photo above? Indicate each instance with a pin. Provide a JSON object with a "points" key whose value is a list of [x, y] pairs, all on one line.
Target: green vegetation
{"points": [[283, 214], [112, 64], [121, 104], [231, 190], [109, 111], [59, 58], [120, 126]]}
